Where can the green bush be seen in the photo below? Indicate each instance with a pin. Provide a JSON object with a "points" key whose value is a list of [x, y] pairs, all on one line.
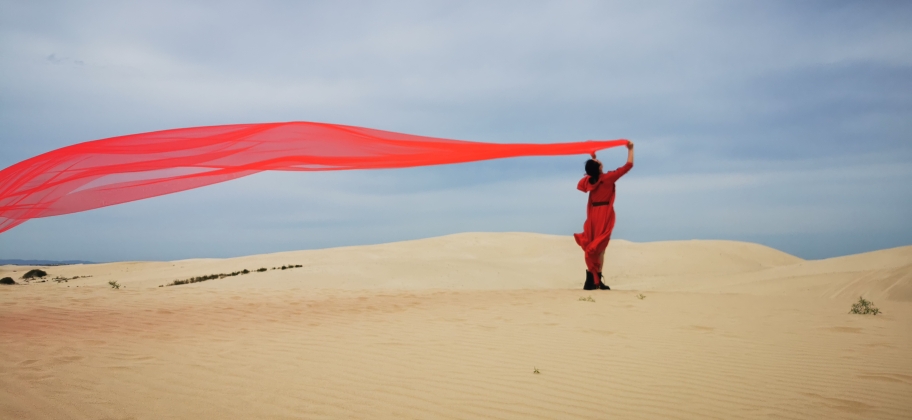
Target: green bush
{"points": [[35, 273], [864, 307], [7, 280]]}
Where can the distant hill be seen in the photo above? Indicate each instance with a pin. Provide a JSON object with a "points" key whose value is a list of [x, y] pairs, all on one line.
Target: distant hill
{"points": [[43, 262]]}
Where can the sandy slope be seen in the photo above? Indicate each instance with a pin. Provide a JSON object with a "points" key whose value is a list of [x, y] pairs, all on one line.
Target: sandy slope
{"points": [[452, 327]]}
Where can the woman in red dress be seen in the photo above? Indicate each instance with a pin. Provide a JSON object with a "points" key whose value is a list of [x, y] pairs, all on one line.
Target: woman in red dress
{"points": [[599, 216]]}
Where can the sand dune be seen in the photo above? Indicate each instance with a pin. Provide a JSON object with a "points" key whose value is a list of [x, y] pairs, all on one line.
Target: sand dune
{"points": [[489, 261], [452, 327], [885, 274]]}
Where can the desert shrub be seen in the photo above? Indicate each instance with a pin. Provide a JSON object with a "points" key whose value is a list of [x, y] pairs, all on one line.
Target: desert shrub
{"points": [[114, 284], [218, 276], [587, 299], [197, 279], [35, 273], [7, 280], [298, 266], [641, 296], [209, 277], [864, 307]]}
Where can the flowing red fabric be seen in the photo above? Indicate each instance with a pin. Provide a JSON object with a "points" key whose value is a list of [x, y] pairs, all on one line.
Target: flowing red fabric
{"points": [[120, 169]]}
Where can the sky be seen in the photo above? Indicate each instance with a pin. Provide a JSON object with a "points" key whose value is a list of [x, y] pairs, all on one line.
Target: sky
{"points": [[783, 123]]}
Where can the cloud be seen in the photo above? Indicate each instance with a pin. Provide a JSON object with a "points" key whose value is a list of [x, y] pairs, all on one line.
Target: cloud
{"points": [[752, 120], [53, 58]]}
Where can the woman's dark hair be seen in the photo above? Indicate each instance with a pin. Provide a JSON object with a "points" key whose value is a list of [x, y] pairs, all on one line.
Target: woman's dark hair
{"points": [[594, 170]]}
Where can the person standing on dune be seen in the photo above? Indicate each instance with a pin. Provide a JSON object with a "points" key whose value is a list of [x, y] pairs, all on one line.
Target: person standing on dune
{"points": [[599, 216]]}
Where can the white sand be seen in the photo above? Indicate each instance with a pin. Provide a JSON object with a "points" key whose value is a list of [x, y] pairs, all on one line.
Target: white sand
{"points": [[453, 327]]}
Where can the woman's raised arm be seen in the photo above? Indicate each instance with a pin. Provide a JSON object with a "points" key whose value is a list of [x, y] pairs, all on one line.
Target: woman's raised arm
{"points": [[630, 152]]}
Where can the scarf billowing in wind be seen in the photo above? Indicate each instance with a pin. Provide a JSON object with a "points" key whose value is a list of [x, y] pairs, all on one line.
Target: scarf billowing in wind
{"points": [[120, 169]]}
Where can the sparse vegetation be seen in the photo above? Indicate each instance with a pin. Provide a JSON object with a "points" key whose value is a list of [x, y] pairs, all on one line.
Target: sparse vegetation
{"points": [[223, 275], [7, 280], [200, 279], [286, 267], [641, 296], [587, 299], [864, 307], [35, 273], [535, 370], [114, 284], [59, 279]]}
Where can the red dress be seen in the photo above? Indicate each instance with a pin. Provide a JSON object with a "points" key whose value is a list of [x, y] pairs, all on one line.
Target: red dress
{"points": [[599, 217]]}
